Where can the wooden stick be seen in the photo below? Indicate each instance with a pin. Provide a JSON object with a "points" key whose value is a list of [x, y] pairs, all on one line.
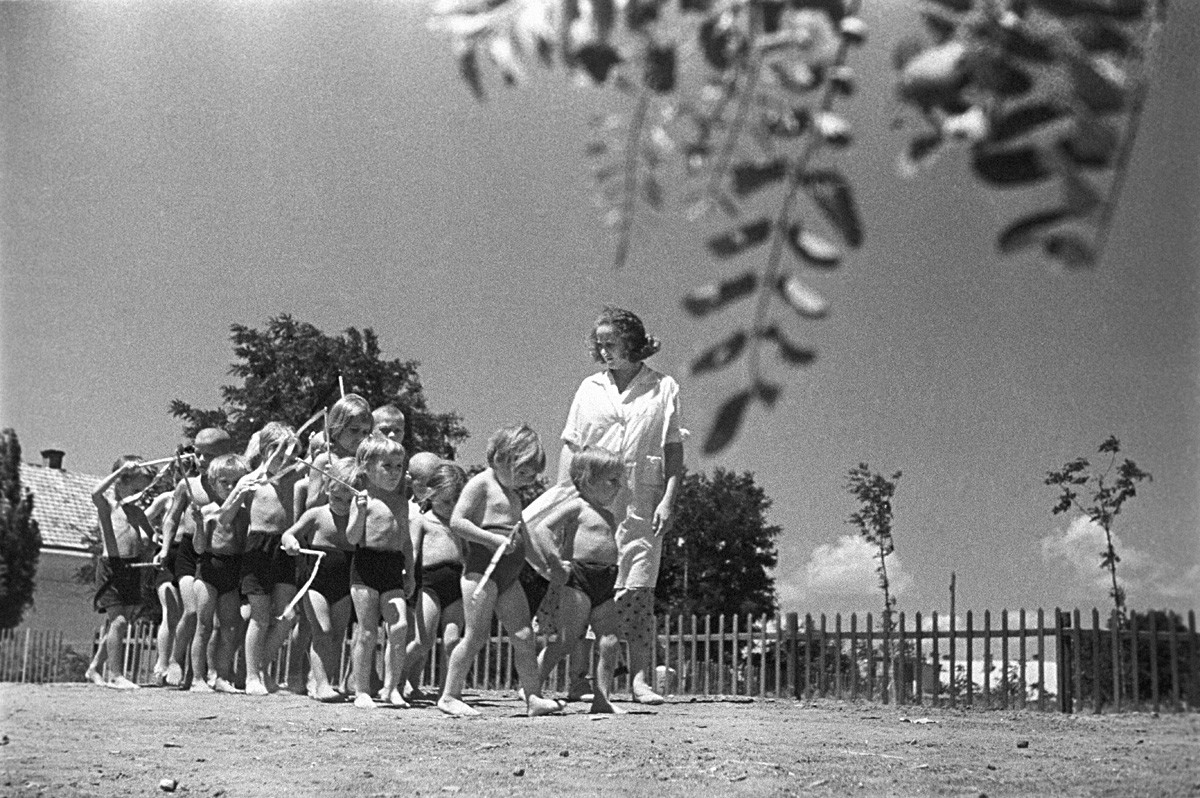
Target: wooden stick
{"points": [[320, 555], [326, 474], [163, 460], [341, 385], [496, 556]]}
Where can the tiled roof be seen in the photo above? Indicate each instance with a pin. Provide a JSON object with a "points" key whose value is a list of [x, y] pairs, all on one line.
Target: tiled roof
{"points": [[62, 504]]}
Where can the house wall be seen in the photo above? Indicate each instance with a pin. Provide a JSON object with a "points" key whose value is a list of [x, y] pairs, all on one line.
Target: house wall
{"points": [[59, 602]]}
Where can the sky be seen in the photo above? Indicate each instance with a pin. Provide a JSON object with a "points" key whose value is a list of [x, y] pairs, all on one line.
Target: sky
{"points": [[172, 169]]}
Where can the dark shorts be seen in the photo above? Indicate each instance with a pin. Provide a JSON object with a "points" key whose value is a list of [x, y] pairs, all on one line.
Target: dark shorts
{"points": [[333, 577], [165, 573], [597, 580], [444, 581], [222, 571], [265, 564], [508, 569], [117, 584], [186, 558], [535, 586], [382, 571]]}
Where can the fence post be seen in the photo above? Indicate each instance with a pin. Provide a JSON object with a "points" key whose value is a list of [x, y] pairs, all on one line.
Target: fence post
{"points": [[808, 655], [935, 656], [793, 633], [870, 658], [821, 680], [1173, 641], [1115, 639], [838, 687], [778, 655], [25, 657], [1096, 660], [987, 659], [953, 646], [918, 661], [1135, 667], [1194, 655], [1153, 660], [970, 659], [899, 671], [1006, 682], [1077, 660], [854, 656]]}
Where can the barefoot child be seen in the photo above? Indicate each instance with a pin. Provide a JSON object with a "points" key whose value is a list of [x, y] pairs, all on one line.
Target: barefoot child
{"points": [[439, 556], [327, 602], [178, 532], [588, 550], [220, 539], [349, 423], [487, 518], [166, 588], [124, 535], [381, 572], [268, 578]]}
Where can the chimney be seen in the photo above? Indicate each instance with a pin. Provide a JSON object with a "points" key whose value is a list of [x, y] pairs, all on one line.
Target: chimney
{"points": [[52, 458]]}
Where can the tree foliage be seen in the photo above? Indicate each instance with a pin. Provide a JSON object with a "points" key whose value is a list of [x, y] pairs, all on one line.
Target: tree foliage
{"points": [[742, 99], [1108, 493], [874, 493], [717, 557], [291, 369], [20, 540]]}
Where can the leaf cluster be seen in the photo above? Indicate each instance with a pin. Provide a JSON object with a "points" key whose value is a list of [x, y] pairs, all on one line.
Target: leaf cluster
{"points": [[20, 539], [290, 370], [723, 543]]}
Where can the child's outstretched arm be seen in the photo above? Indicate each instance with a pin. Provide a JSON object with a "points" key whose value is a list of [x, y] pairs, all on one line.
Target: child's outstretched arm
{"points": [[108, 538]]}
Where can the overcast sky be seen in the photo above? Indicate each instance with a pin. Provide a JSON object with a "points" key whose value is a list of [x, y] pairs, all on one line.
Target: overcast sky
{"points": [[171, 169]]}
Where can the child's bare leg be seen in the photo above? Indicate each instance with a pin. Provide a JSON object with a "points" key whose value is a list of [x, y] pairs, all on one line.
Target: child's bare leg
{"points": [[395, 618], [604, 622], [172, 608], [229, 617], [95, 670], [477, 613], [366, 606], [281, 630], [513, 611], [256, 643], [570, 618], [118, 625], [423, 623], [185, 630], [320, 621], [206, 607], [581, 670], [452, 628]]}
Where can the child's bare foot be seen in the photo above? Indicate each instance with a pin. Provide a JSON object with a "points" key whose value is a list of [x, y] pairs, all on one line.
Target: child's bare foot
{"points": [[200, 686], [538, 706], [254, 686], [394, 697], [174, 674], [270, 683], [454, 706], [364, 701], [647, 697], [417, 694], [121, 683], [602, 706], [224, 686], [95, 677], [326, 694], [580, 689], [159, 676]]}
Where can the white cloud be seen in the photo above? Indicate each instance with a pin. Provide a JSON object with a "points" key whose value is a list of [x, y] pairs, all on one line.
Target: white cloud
{"points": [[842, 569]]}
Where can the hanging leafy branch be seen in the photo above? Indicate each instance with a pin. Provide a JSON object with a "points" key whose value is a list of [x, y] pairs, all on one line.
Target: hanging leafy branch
{"points": [[1104, 503], [740, 96]]}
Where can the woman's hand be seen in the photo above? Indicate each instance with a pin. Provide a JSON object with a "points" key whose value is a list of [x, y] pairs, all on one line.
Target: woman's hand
{"points": [[664, 518]]}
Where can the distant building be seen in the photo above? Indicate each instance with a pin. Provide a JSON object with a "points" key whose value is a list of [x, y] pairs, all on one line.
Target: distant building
{"points": [[66, 516]]}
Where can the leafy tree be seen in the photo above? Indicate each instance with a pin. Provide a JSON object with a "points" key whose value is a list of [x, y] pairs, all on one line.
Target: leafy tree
{"points": [[741, 98], [291, 369], [1104, 503], [717, 559], [20, 540], [874, 521]]}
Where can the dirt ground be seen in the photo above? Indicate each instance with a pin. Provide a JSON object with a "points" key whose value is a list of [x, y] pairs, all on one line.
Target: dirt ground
{"points": [[81, 740]]}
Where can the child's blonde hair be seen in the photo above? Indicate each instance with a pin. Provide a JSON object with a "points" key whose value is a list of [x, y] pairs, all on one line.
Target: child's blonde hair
{"points": [[132, 458], [516, 445], [267, 438], [447, 482], [376, 446], [592, 463], [230, 466], [345, 469], [349, 408]]}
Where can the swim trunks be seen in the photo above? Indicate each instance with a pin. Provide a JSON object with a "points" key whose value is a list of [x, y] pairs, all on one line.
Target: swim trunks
{"points": [[382, 571], [117, 584], [444, 581], [507, 569], [185, 557], [597, 580], [222, 571], [265, 564], [333, 577]]}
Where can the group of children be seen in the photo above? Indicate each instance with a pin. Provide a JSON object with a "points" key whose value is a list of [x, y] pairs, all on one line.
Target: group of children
{"points": [[409, 545]]}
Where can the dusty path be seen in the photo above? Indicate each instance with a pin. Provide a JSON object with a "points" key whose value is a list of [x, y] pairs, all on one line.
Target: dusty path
{"points": [[77, 740]]}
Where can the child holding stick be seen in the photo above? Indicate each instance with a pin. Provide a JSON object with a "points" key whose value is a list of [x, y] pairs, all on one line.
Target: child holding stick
{"points": [[586, 531], [381, 572], [220, 539], [124, 534], [327, 602], [440, 558], [487, 518], [349, 423]]}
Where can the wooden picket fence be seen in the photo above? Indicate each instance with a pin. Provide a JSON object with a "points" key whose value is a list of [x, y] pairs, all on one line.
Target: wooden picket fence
{"points": [[1044, 661]]}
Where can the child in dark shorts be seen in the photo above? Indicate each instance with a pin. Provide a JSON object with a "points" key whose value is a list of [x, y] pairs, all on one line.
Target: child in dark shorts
{"points": [[583, 531], [439, 602], [220, 539], [380, 570], [327, 602], [124, 535]]}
